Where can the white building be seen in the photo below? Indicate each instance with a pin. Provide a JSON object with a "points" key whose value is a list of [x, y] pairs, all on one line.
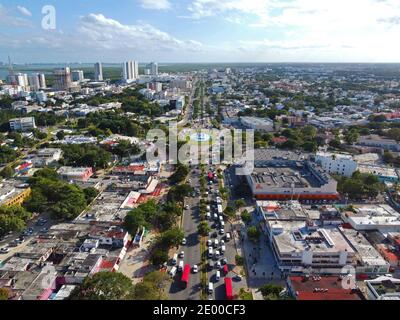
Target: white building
{"points": [[22, 124], [45, 157], [380, 217], [383, 288], [98, 72], [130, 71], [37, 81], [151, 69], [34, 82], [258, 124], [297, 247], [77, 75], [336, 163]]}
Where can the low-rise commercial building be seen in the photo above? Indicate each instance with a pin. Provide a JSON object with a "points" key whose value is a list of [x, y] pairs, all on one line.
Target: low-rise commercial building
{"points": [[283, 175], [22, 124], [75, 174], [13, 193], [336, 163], [383, 288], [46, 157], [379, 217]]}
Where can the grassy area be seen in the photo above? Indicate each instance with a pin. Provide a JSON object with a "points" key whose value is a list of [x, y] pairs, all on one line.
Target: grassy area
{"points": [[245, 295]]}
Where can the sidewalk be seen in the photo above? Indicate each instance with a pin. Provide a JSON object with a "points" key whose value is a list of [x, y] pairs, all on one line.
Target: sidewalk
{"points": [[136, 262], [260, 261]]}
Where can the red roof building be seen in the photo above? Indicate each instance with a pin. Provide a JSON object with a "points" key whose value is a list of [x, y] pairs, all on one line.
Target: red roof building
{"points": [[279, 140], [321, 288]]}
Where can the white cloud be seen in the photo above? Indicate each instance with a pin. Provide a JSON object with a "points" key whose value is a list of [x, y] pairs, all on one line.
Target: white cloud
{"points": [[207, 8], [155, 4], [99, 37], [24, 11], [342, 30], [9, 20], [111, 34]]}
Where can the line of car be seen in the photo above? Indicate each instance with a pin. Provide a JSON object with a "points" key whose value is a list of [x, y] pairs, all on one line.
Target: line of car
{"points": [[26, 233]]}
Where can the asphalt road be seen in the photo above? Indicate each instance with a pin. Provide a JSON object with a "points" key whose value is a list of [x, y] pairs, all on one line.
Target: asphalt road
{"points": [[191, 220]]}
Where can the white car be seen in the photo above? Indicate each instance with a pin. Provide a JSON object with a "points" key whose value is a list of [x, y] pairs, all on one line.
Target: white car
{"points": [[222, 242], [184, 241], [195, 269], [209, 243], [182, 254], [4, 250]]}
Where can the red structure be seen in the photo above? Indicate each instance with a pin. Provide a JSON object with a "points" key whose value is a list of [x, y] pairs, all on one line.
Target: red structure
{"points": [[228, 288], [185, 276], [225, 270]]}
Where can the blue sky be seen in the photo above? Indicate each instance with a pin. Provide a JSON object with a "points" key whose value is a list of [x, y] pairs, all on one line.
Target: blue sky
{"points": [[202, 31]]}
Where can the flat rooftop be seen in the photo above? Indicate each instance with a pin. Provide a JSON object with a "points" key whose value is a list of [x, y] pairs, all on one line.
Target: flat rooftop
{"points": [[106, 208], [288, 210], [296, 237], [366, 252], [379, 215], [273, 154], [285, 177], [322, 288], [343, 156]]}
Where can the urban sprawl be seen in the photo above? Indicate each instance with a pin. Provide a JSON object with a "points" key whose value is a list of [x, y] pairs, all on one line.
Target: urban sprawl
{"points": [[85, 214]]}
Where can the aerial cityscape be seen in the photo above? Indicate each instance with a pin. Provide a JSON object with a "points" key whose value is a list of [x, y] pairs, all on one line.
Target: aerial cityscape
{"points": [[187, 164]]}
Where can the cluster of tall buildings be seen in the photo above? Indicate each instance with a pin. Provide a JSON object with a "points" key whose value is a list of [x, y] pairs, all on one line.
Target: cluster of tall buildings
{"points": [[66, 79], [151, 69], [34, 81], [130, 71]]}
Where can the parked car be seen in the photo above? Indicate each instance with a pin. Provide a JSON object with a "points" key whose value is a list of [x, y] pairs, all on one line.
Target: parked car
{"points": [[184, 241], [182, 254], [195, 269], [237, 277], [4, 250]]}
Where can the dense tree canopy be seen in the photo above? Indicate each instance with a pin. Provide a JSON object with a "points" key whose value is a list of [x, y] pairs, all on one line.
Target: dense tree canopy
{"points": [[359, 186], [13, 218], [86, 156], [50, 194], [104, 286]]}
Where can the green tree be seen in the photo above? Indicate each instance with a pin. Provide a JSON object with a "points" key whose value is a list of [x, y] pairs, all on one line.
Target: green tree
{"points": [[4, 294], [158, 256], [203, 228], [134, 220], [7, 172], [104, 286], [125, 149], [230, 212], [240, 203], [172, 237], [253, 233], [351, 136], [180, 174], [179, 192], [60, 135], [246, 216], [90, 194], [271, 291]]}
